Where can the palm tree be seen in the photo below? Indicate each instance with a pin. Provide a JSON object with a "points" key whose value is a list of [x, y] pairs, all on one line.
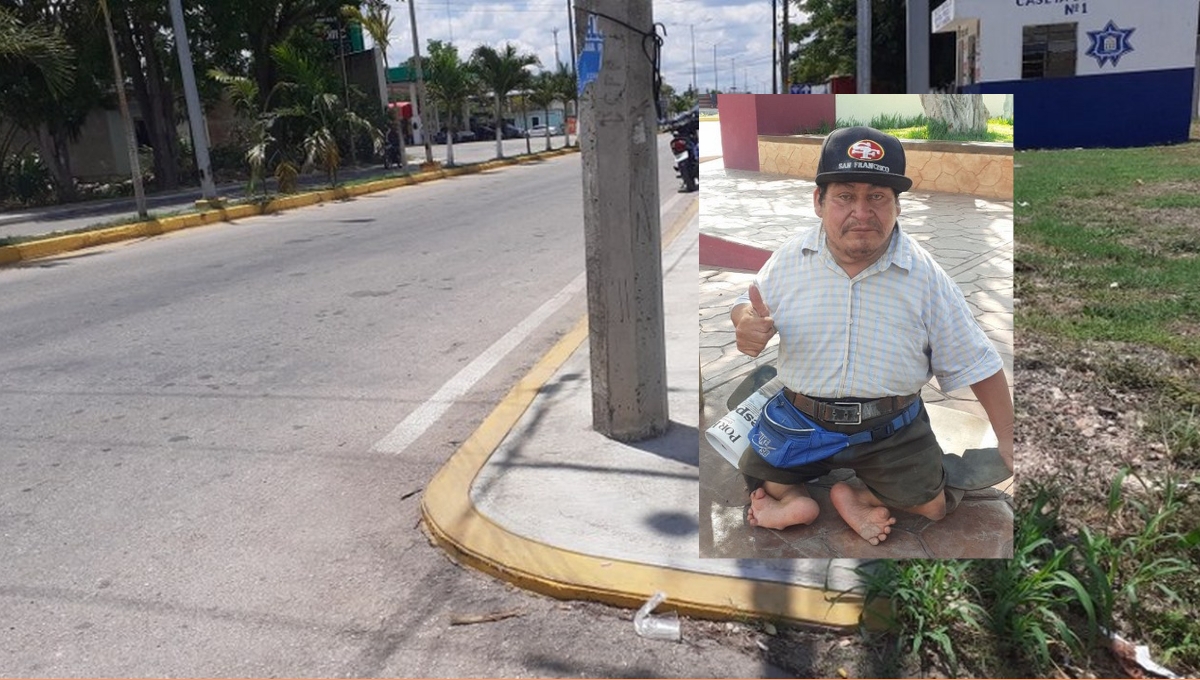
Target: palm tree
{"points": [[450, 83], [38, 46], [378, 23], [501, 71], [542, 93], [317, 110], [567, 90], [44, 93], [242, 93]]}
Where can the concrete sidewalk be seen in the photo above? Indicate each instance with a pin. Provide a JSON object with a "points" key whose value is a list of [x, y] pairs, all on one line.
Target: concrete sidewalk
{"points": [[538, 498]]}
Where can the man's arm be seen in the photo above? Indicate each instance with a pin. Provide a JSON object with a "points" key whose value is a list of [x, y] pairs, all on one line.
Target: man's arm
{"points": [[992, 393]]}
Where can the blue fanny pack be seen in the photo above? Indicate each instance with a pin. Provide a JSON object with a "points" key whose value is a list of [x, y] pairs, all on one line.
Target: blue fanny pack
{"points": [[787, 437]]}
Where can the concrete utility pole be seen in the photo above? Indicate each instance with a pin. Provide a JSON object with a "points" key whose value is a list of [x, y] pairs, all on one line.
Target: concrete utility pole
{"points": [[623, 235], [422, 100], [775, 46], [783, 57], [571, 34], [918, 46], [556, 59], [135, 168], [693, 27], [574, 56], [208, 190], [863, 77]]}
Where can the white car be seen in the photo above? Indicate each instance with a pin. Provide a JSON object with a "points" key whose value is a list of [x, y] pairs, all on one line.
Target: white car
{"points": [[540, 131]]}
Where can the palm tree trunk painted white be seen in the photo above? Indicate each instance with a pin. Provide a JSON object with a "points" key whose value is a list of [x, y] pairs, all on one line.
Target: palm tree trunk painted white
{"points": [[450, 140], [525, 122], [499, 129]]}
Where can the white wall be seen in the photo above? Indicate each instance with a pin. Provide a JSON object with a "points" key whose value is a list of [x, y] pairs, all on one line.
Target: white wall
{"points": [[861, 108], [1164, 32]]}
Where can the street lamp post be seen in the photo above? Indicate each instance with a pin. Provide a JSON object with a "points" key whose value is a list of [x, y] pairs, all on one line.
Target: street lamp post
{"points": [[716, 81]]}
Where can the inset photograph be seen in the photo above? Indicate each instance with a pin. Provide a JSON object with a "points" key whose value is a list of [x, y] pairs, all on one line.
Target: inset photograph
{"points": [[856, 327]]}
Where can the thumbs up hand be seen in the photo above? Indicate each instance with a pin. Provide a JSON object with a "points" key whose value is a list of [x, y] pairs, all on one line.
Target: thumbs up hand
{"points": [[754, 326]]}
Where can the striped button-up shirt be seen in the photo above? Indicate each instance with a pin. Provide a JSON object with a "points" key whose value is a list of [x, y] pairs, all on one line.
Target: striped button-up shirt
{"points": [[885, 332]]}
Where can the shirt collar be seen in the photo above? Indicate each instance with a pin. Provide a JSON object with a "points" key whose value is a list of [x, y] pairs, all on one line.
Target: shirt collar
{"points": [[899, 252]]}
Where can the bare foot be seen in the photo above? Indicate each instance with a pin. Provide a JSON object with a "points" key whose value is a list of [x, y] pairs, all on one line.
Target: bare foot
{"points": [[791, 508], [870, 519]]}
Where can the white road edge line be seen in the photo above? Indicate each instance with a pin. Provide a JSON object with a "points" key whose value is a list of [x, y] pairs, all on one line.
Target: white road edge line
{"points": [[411, 428]]}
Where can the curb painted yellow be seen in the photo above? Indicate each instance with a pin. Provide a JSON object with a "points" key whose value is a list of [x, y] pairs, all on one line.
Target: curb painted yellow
{"points": [[57, 245], [453, 522]]}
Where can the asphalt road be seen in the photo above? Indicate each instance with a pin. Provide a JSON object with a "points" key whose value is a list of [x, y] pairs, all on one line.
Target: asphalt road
{"points": [[189, 484]]}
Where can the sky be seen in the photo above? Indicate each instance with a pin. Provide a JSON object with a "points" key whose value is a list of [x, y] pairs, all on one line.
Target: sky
{"points": [[737, 32]]}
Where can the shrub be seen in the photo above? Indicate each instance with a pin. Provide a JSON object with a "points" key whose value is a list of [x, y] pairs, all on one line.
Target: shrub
{"points": [[26, 180]]}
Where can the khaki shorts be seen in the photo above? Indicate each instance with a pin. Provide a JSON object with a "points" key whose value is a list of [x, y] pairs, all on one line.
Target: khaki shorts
{"points": [[904, 470]]}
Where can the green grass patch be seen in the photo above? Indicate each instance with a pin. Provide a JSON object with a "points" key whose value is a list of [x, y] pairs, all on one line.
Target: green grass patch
{"points": [[1112, 228], [921, 127], [939, 131], [1064, 587], [1169, 201]]}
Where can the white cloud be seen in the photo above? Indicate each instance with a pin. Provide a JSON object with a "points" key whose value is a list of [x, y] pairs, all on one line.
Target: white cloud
{"points": [[740, 30]]}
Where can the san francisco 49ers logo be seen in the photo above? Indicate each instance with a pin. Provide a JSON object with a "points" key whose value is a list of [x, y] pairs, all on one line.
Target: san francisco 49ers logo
{"points": [[865, 150]]}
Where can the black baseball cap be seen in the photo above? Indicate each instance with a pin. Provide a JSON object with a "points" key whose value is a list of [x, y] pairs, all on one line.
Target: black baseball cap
{"points": [[862, 154]]}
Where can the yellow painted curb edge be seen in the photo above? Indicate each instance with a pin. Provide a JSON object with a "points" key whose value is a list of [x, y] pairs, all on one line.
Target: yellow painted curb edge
{"points": [[453, 522], [56, 245]]}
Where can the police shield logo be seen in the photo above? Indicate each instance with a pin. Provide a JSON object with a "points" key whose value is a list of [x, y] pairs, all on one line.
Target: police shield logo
{"points": [[1109, 44], [865, 150]]}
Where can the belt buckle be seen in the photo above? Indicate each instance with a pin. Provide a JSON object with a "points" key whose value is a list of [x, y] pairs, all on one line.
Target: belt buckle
{"points": [[838, 420]]}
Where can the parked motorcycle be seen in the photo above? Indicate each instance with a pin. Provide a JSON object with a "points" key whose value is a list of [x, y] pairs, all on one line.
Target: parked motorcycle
{"points": [[685, 145], [391, 150], [391, 156]]}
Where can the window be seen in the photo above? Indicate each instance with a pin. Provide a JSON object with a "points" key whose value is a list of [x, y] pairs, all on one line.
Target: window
{"points": [[1049, 51]]}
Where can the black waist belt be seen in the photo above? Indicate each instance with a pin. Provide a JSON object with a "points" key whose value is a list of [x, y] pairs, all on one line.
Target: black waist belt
{"points": [[849, 412]]}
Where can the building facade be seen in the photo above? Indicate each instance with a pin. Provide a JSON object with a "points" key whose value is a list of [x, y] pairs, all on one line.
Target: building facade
{"points": [[1084, 73]]}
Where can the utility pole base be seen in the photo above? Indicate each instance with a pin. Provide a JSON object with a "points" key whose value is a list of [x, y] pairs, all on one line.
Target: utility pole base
{"points": [[618, 139]]}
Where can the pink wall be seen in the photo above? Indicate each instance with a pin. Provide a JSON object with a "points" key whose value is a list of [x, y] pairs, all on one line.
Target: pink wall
{"points": [[746, 116], [787, 114], [739, 131]]}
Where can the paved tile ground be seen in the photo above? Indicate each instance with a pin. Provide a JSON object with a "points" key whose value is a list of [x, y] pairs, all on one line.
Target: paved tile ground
{"points": [[972, 239]]}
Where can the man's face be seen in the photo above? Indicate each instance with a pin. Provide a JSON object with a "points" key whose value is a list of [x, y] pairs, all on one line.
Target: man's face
{"points": [[858, 219]]}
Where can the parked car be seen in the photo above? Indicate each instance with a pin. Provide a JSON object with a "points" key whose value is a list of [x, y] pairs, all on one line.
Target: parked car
{"points": [[512, 131], [484, 132], [459, 136], [540, 131]]}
